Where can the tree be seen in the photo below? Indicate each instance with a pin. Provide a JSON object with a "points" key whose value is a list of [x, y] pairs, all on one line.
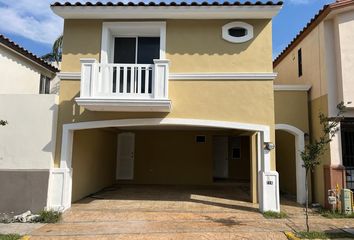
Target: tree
{"points": [[3, 122], [55, 54], [313, 152]]}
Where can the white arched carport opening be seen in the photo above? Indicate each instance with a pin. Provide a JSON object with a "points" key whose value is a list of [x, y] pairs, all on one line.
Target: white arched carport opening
{"points": [[59, 195], [300, 170]]}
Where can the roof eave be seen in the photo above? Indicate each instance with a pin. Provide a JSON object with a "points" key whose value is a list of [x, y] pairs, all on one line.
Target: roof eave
{"points": [[167, 12]]}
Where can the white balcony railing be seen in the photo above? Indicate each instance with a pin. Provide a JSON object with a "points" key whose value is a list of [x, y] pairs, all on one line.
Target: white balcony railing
{"points": [[121, 84]]}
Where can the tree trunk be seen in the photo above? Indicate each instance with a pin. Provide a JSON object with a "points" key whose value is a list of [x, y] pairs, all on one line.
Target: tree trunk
{"points": [[307, 202]]}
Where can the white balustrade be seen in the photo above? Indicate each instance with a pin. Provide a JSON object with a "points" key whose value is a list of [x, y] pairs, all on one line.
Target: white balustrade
{"points": [[124, 81]]}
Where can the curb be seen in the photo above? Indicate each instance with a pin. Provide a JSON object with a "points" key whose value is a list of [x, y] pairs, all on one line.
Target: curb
{"points": [[291, 236]]}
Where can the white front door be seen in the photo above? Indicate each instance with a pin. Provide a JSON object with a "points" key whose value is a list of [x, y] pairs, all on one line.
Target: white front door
{"points": [[220, 156], [125, 156]]}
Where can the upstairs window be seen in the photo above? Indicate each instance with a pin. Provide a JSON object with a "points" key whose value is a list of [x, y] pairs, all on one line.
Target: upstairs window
{"points": [[299, 62], [44, 85], [237, 32]]}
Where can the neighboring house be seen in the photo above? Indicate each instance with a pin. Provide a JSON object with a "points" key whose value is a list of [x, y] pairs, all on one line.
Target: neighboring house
{"points": [[320, 62], [28, 101], [166, 93]]}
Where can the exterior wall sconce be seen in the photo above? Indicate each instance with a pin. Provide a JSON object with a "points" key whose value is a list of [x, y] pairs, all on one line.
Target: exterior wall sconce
{"points": [[269, 146]]}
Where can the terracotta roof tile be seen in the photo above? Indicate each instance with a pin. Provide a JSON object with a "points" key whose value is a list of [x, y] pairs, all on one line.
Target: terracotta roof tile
{"points": [[17, 48]]}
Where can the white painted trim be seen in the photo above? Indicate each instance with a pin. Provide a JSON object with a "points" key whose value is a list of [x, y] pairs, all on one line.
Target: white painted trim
{"points": [[300, 170], [232, 39], [202, 76], [222, 76], [68, 134], [113, 29], [69, 75], [167, 12], [292, 87], [125, 105]]}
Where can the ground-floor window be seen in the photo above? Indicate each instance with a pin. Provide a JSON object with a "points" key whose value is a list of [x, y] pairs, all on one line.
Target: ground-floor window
{"points": [[347, 132]]}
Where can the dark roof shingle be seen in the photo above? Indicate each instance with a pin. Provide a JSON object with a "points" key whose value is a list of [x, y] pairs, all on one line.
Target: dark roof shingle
{"points": [[163, 3], [17, 48]]}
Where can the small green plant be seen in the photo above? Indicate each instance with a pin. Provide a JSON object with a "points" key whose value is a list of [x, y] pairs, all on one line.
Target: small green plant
{"points": [[9, 236], [323, 235], [49, 216], [274, 215], [335, 214]]}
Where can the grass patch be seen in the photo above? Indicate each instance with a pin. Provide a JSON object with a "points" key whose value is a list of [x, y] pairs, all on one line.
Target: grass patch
{"points": [[323, 235], [49, 216], [9, 236], [335, 214], [274, 215]]}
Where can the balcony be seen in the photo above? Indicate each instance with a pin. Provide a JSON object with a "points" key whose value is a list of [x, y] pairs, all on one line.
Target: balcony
{"points": [[124, 87]]}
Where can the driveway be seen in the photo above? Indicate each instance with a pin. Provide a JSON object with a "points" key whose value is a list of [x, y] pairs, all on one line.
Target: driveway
{"points": [[166, 212]]}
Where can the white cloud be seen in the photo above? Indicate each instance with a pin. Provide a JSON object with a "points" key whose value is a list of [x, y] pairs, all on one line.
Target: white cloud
{"points": [[30, 19]]}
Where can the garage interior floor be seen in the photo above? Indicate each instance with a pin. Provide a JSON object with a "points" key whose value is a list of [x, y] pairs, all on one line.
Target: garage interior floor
{"points": [[176, 212]]}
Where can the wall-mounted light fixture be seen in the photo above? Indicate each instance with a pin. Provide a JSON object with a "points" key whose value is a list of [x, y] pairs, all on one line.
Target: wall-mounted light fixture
{"points": [[269, 146]]}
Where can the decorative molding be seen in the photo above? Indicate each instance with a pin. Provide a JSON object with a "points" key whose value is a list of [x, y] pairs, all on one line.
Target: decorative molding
{"points": [[228, 37], [196, 76], [167, 12], [69, 75], [222, 76], [125, 105], [300, 170], [292, 87]]}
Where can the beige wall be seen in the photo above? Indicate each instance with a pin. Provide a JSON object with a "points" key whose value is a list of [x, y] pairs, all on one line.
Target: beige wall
{"points": [[291, 107], [239, 169], [312, 64], [93, 162], [285, 160], [191, 46], [18, 74]]}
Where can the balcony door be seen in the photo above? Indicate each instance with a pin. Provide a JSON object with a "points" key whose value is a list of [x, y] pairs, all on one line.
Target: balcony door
{"points": [[135, 50]]}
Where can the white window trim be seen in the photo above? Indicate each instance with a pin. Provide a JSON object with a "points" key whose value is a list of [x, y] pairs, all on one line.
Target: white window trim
{"points": [[229, 38], [112, 29]]}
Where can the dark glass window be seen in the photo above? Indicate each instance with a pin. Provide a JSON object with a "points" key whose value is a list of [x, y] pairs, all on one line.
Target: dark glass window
{"points": [[236, 153], [238, 32], [200, 139], [299, 62], [44, 85], [347, 133]]}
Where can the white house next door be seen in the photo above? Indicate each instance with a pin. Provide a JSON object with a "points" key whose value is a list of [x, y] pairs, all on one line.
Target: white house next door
{"points": [[125, 156]]}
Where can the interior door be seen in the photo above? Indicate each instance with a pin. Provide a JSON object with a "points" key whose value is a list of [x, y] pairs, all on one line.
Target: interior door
{"points": [[125, 156], [220, 156]]}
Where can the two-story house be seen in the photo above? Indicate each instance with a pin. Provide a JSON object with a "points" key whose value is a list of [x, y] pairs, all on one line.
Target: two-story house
{"points": [[165, 93], [28, 102], [321, 57]]}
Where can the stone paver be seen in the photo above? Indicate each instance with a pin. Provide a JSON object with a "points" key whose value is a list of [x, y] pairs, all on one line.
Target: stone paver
{"points": [[161, 213], [19, 228]]}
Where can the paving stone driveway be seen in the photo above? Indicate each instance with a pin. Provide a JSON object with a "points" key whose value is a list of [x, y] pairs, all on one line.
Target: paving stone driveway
{"points": [[161, 213]]}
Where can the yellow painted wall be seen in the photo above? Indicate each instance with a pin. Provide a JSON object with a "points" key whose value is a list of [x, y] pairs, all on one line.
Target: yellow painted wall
{"points": [[240, 101], [291, 107], [316, 106], [285, 160], [191, 46], [93, 162], [173, 157]]}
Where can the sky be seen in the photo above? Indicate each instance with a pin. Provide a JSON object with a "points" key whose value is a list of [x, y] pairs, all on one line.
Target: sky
{"points": [[32, 24]]}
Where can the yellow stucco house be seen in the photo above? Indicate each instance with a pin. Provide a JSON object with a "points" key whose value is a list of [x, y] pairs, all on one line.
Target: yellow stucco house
{"points": [[319, 63], [175, 93]]}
